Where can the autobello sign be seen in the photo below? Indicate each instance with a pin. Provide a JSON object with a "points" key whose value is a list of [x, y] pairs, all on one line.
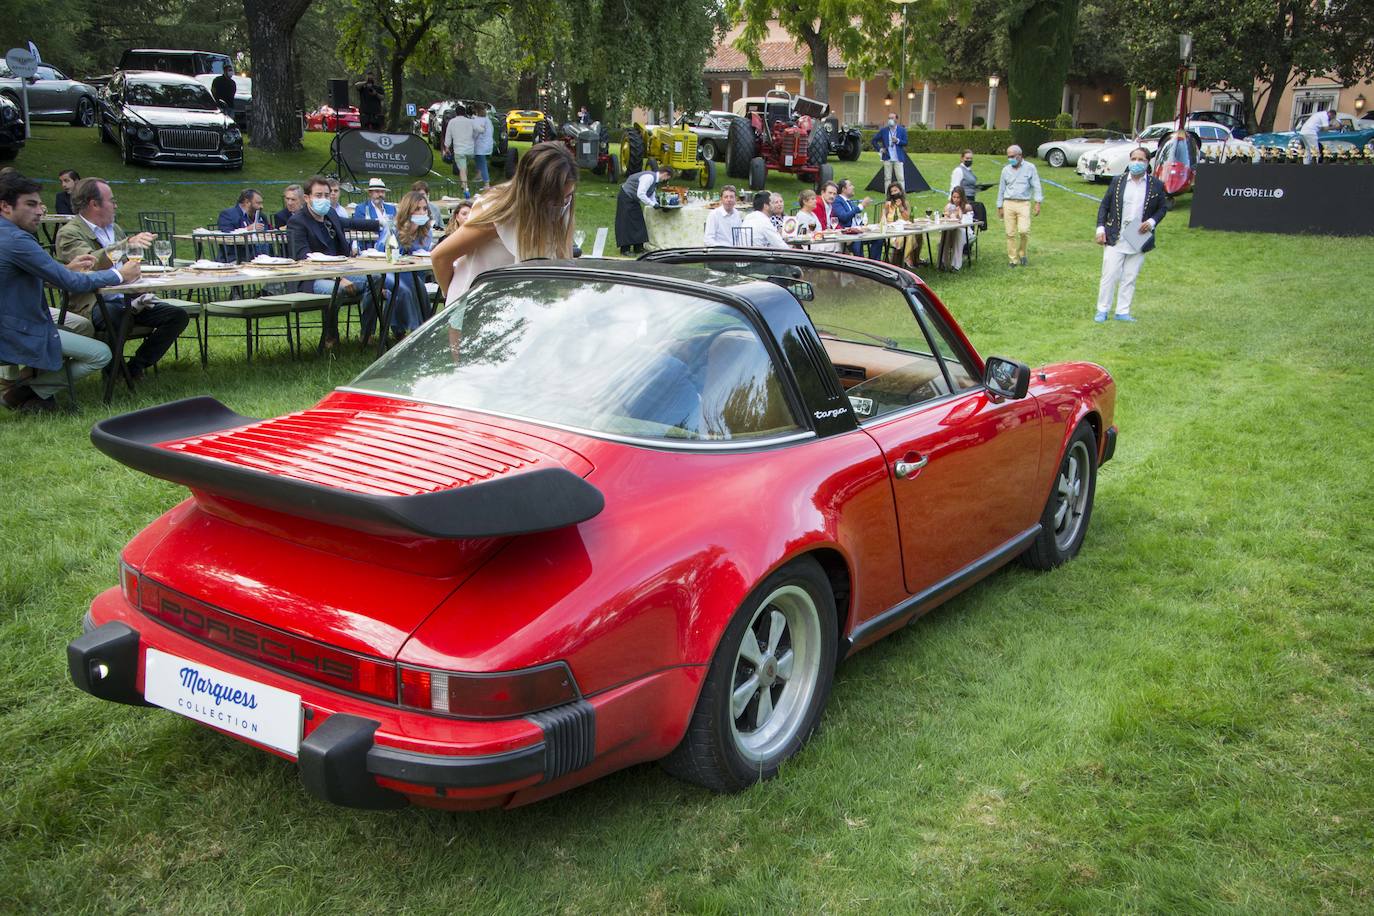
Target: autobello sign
{"points": [[1332, 198], [366, 152]]}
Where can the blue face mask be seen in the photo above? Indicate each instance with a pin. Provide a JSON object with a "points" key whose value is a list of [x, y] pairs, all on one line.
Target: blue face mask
{"points": [[1012, 160], [1137, 168], [320, 205], [419, 219]]}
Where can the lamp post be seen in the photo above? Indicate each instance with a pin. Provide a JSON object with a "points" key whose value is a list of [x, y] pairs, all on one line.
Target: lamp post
{"points": [[902, 64], [1150, 96], [1359, 104], [1187, 72], [993, 83], [725, 95]]}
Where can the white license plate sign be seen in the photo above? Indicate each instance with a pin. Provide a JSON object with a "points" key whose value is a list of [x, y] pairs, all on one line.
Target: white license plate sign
{"points": [[225, 701], [677, 146]]}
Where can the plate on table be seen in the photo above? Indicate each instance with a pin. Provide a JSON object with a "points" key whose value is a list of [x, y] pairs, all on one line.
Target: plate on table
{"points": [[203, 264], [267, 260], [155, 269], [789, 226], [325, 258]]}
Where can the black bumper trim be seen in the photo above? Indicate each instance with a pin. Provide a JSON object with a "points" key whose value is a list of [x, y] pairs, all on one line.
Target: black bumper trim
{"points": [[103, 661], [1108, 447]]}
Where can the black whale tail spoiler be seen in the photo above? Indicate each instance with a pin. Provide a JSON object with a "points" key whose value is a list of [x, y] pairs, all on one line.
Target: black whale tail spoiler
{"points": [[516, 501]]}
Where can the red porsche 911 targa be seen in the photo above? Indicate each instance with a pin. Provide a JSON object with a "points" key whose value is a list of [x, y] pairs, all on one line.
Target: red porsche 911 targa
{"points": [[596, 513]]}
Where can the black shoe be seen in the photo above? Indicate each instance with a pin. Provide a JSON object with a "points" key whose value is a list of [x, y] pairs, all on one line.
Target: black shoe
{"points": [[16, 396], [36, 404], [136, 371]]}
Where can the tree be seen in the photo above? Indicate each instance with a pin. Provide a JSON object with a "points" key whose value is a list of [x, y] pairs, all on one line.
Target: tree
{"points": [[271, 28], [396, 33], [1040, 47]]}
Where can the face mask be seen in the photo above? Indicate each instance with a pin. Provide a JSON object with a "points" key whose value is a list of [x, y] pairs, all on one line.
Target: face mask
{"points": [[1137, 168], [968, 163], [1012, 160], [892, 122], [419, 219], [320, 205]]}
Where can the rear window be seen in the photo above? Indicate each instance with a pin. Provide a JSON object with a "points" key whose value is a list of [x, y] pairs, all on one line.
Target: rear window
{"points": [[612, 358]]}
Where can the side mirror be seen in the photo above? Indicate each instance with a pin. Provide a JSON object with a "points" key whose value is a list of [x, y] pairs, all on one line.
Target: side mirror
{"points": [[1006, 377]]}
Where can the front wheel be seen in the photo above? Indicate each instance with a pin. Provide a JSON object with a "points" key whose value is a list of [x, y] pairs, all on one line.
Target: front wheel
{"points": [[706, 175], [767, 686], [1055, 158], [707, 150], [1064, 523], [612, 168]]}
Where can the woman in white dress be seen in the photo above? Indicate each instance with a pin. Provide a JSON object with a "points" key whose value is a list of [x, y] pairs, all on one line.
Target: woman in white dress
{"points": [[530, 216]]}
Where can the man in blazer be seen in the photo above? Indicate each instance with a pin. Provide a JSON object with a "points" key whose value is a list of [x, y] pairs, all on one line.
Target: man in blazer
{"points": [[28, 335], [1126, 219], [93, 232], [317, 228], [890, 142], [246, 214]]}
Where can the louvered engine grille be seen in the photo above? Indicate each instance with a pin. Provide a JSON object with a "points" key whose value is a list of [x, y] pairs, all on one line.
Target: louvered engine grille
{"points": [[198, 141]]}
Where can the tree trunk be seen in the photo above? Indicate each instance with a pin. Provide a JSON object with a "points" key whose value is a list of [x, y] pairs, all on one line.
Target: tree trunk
{"points": [[1037, 64], [526, 92], [1282, 69], [276, 125], [820, 63], [582, 95], [398, 86]]}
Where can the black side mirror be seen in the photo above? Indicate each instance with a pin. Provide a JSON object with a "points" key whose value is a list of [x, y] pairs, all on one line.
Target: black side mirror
{"points": [[1006, 377]]}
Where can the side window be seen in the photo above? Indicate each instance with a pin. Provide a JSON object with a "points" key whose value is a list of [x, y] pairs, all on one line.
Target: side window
{"points": [[960, 371]]}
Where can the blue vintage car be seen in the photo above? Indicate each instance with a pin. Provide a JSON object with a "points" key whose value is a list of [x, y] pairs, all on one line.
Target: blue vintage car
{"points": [[1359, 136]]}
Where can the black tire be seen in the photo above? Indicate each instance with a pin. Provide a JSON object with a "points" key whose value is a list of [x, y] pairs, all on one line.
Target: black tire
{"points": [[632, 150], [599, 168], [1170, 202], [8, 153], [758, 173], [727, 751], [825, 173], [706, 175], [817, 147], [853, 147], [613, 168], [512, 160], [104, 134], [85, 113], [1056, 158], [739, 148], [1071, 493], [126, 152]]}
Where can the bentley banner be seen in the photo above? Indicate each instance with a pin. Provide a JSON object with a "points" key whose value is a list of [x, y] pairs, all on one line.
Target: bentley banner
{"points": [[1331, 198], [366, 152]]}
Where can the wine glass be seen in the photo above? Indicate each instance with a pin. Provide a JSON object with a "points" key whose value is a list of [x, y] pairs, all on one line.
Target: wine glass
{"points": [[116, 252], [162, 250], [136, 253], [579, 236], [930, 214]]}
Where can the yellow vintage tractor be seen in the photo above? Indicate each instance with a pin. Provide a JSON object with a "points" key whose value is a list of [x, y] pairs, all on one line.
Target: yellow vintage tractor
{"points": [[675, 148]]}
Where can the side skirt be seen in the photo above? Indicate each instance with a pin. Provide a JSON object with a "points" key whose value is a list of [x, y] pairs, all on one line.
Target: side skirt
{"points": [[901, 614]]}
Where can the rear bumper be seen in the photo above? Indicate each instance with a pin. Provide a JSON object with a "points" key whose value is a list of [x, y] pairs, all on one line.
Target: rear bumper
{"points": [[341, 758]]}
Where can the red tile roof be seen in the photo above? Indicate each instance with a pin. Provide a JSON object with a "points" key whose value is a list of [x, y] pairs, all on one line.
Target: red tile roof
{"points": [[776, 55]]}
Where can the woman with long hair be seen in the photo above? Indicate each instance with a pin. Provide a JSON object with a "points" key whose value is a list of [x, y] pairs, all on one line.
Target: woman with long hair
{"points": [[530, 216], [413, 233], [894, 209], [952, 241], [460, 216]]}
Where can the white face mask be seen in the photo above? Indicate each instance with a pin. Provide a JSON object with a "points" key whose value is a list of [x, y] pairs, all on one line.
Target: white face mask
{"points": [[419, 219]]}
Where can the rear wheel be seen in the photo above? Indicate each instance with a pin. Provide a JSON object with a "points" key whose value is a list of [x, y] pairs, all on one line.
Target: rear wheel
{"points": [[85, 112], [817, 147], [767, 686], [739, 148], [758, 173], [632, 149], [512, 159], [1064, 523], [1056, 158], [613, 168], [824, 174]]}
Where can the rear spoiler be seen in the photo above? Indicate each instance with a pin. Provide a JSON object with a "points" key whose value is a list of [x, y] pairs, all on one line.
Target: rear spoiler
{"points": [[521, 503]]}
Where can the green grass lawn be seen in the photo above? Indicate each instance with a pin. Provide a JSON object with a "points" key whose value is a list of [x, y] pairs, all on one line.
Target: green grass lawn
{"points": [[1177, 721]]}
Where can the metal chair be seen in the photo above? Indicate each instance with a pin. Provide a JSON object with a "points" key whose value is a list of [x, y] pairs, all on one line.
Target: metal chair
{"points": [[162, 223]]}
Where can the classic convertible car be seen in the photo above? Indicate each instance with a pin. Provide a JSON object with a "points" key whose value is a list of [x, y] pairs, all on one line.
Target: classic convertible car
{"points": [[1059, 153], [595, 513]]}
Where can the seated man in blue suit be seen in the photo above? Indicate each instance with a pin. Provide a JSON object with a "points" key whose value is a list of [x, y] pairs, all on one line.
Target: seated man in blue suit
{"points": [[847, 210], [316, 227], [246, 214], [375, 207], [28, 336]]}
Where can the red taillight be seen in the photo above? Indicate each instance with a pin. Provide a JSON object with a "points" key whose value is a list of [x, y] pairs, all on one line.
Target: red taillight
{"points": [[267, 645], [488, 696], [128, 582]]}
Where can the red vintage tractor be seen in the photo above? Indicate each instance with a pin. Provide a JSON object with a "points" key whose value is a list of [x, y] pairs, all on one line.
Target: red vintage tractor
{"points": [[778, 133]]}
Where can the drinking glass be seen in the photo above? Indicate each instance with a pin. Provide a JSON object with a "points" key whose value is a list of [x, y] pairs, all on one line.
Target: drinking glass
{"points": [[116, 252], [930, 215], [136, 253], [162, 250], [579, 236]]}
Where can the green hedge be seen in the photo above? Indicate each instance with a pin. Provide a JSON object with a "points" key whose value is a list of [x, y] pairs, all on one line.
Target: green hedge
{"points": [[983, 142]]}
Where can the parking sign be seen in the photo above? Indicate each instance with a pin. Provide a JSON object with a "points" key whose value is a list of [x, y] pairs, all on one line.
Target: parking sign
{"points": [[410, 110]]}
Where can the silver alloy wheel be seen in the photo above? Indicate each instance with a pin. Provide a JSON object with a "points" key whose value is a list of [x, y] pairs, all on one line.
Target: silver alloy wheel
{"points": [[1055, 158], [85, 112], [1071, 496], [777, 668], [707, 149]]}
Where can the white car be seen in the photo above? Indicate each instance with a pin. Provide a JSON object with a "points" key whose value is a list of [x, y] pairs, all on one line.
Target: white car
{"points": [[1217, 144], [1059, 153]]}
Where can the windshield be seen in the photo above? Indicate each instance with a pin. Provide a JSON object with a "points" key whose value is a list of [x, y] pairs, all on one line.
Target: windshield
{"points": [[170, 95], [603, 357]]}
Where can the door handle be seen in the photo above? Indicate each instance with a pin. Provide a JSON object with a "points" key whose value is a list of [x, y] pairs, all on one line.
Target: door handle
{"points": [[906, 469]]}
